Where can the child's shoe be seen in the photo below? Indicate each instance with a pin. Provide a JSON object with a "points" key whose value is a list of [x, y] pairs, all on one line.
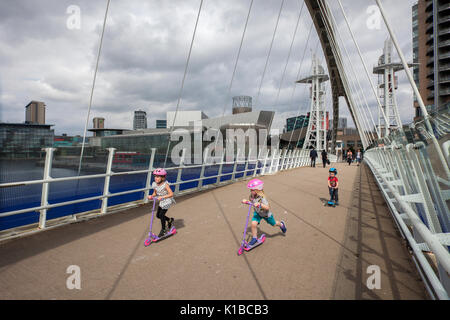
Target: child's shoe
{"points": [[253, 242], [170, 223], [162, 232], [336, 203], [283, 226]]}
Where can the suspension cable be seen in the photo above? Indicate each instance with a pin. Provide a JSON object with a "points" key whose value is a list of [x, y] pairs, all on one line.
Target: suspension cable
{"points": [[333, 21], [365, 66], [182, 82], [289, 54], [235, 67], [352, 87], [268, 54], [93, 87], [345, 85]]}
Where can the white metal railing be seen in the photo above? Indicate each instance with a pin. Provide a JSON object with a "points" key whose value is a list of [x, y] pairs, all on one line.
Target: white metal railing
{"points": [[278, 160], [418, 204]]}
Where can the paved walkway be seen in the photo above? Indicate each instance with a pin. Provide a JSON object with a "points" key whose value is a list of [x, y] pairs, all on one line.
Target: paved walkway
{"points": [[324, 254]]}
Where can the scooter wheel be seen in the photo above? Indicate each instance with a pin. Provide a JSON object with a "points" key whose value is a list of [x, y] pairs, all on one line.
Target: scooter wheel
{"points": [[240, 251], [147, 242]]}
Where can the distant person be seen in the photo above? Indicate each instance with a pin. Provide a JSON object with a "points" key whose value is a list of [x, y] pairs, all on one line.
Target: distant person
{"points": [[358, 156], [324, 158], [313, 155], [333, 185], [349, 156]]}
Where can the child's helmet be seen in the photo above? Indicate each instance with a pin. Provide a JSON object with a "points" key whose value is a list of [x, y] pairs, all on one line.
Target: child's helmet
{"points": [[333, 170], [255, 184], [160, 172]]}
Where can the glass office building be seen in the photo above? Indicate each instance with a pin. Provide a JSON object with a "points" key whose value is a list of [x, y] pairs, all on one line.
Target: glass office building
{"points": [[21, 140], [296, 122]]}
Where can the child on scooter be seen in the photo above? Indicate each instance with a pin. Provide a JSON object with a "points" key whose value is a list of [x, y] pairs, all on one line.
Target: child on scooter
{"points": [[262, 209], [333, 185], [163, 193]]}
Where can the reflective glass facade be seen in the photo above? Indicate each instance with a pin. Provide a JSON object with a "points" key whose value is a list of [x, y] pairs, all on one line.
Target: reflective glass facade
{"points": [[19, 140]]}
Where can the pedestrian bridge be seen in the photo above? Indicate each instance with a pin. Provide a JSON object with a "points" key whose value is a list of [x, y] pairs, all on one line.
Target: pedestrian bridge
{"points": [[327, 253]]}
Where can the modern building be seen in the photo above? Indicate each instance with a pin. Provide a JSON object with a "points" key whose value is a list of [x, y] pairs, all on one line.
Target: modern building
{"points": [[24, 140], [297, 122], [99, 123], [142, 141], [242, 104], [161, 124], [139, 120], [35, 112], [184, 118], [431, 49], [342, 123]]}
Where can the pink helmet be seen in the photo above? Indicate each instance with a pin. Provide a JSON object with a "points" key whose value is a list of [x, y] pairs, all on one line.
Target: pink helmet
{"points": [[160, 172], [255, 184]]}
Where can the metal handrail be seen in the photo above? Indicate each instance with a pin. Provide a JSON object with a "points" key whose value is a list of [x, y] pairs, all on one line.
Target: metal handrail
{"points": [[393, 176], [277, 161]]}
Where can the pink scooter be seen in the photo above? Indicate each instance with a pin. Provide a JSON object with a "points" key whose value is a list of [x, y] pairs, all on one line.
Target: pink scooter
{"points": [[244, 245], [153, 237]]}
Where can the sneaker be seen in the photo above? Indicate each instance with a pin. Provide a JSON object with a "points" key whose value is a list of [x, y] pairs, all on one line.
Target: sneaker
{"points": [[170, 223], [254, 240], [283, 226], [162, 233], [337, 203]]}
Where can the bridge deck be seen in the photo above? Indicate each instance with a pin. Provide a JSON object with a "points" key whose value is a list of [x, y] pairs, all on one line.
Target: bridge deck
{"points": [[324, 254]]}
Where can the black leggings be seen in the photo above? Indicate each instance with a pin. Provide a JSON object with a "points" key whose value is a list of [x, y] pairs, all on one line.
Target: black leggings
{"points": [[161, 214]]}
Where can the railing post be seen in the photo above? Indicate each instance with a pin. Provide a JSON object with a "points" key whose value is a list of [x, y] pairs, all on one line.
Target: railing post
{"points": [[219, 173], [304, 158], [433, 222], [45, 185], [180, 169], [282, 161], [149, 176], [263, 169], [107, 179], [246, 163], [235, 165], [294, 157], [256, 163], [202, 172]]}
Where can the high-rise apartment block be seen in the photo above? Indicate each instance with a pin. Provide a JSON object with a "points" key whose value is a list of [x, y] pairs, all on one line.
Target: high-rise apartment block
{"points": [[431, 49], [140, 120], [35, 112]]}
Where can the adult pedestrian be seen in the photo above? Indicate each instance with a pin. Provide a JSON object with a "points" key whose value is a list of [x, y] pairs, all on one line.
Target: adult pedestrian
{"points": [[324, 158], [313, 156], [349, 156]]}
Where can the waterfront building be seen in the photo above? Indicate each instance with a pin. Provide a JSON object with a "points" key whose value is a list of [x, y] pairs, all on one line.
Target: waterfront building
{"points": [[24, 140]]}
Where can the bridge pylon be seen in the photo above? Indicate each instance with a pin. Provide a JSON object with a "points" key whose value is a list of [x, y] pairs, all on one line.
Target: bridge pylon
{"points": [[316, 136]]}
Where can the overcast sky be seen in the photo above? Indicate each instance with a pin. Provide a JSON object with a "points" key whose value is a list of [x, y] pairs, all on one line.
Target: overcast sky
{"points": [[144, 52]]}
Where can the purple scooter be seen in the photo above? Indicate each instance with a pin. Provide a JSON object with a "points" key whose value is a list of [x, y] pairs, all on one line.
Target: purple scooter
{"points": [[153, 237], [244, 245]]}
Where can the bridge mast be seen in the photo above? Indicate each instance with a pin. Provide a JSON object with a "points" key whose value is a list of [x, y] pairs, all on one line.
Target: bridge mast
{"points": [[387, 84], [316, 136]]}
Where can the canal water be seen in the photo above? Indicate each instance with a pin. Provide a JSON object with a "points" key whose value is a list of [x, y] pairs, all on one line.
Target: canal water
{"points": [[22, 197]]}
